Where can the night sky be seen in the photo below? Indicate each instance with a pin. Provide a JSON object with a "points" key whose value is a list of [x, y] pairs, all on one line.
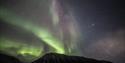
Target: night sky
{"points": [[103, 28], [89, 28]]}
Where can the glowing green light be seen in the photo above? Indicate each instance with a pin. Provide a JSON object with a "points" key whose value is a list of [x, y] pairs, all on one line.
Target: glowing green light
{"points": [[42, 33], [15, 48]]}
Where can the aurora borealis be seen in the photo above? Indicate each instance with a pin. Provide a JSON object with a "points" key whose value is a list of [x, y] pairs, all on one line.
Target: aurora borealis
{"points": [[51, 31], [20, 49], [42, 33], [31, 28]]}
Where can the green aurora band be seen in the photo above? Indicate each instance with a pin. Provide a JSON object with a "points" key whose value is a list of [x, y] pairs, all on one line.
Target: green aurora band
{"points": [[42, 33], [24, 52]]}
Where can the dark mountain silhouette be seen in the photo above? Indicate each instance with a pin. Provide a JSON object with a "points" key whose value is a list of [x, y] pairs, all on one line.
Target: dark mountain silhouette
{"points": [[61, 58], [8, 59], [53, 58]]}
